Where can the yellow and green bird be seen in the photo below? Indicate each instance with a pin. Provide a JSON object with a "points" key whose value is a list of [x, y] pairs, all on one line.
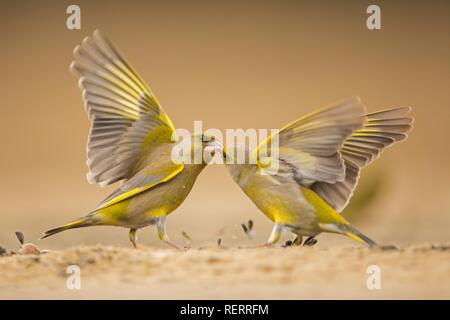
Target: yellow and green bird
{"points": [[319, 161], [131, 140]]}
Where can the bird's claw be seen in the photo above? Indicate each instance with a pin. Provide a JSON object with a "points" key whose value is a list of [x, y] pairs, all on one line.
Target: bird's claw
{"points": [[176, 246]]}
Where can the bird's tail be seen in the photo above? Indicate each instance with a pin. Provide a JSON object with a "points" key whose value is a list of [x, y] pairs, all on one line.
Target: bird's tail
{"points": [[355, 234], [86, 221]]}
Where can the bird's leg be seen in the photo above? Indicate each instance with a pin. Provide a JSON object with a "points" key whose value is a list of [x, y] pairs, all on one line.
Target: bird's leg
{"points": [[162, 234], [274, 235], [133, 237], [310, 241]]}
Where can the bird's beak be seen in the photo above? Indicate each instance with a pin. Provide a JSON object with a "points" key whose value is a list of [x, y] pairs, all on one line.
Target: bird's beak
{"points": [[213, 148], [216, 146]]}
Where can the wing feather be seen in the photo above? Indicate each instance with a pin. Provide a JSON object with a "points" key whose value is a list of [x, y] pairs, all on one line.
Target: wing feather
{"points": [[124, 113], [145, 179], [309, 145], [381, 130]]}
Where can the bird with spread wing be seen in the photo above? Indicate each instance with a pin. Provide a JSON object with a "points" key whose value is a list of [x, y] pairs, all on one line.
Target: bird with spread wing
{"points": [[130, 140], [319, 161]]}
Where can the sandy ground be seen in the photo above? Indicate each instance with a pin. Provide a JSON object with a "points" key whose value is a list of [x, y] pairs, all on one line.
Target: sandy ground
{"points": [[237, 80], [229, 273]]}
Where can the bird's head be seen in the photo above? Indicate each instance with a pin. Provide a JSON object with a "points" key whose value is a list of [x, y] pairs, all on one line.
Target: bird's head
{"points": [[205, 145], [238, 159]]}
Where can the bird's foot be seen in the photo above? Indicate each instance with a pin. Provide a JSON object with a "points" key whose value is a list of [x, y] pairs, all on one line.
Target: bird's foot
{"points": [[137, 246], [176, 246], [133, 237]]}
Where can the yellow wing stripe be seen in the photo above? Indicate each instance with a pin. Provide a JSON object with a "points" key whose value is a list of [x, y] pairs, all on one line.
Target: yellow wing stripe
{"points": [[136, 191]]}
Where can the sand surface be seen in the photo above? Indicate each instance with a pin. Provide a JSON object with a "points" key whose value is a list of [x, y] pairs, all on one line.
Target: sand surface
{"points": [[275, 62], [230, 273]]}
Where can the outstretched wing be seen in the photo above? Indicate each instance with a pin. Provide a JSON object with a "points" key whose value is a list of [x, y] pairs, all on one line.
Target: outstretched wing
{"points": [[309, 147], [380, 130], [125, 115]]}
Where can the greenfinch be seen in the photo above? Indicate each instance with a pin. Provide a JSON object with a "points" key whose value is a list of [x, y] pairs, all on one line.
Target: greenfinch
{"points": [[130, 140], [320, 157]]}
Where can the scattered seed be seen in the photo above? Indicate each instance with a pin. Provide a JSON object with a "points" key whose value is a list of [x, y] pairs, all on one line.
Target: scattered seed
{"points": [[3, 251], [288, 244], [186, 238], [310, 242], [248, 228], [26, 248], [20, 236]]}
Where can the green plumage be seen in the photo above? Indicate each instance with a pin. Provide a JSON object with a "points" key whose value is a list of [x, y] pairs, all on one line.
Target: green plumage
{"points": [[319, 158], [131, 141]]}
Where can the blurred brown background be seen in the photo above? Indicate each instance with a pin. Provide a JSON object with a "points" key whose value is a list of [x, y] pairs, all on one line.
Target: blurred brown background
{"points": [[232, 64]]}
